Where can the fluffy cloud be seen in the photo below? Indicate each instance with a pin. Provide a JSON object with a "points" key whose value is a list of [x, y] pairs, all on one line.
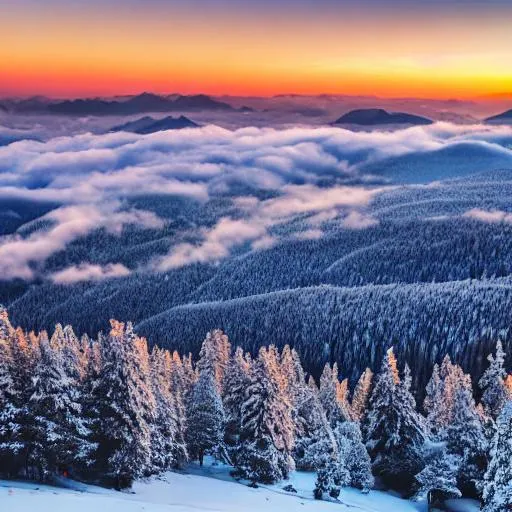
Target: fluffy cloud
{"points": [[88, 272], [309, 234], [494, 216], [309, 198], [88, 167], [359, 220], [19, 254], [216, 244], [314, 173]]}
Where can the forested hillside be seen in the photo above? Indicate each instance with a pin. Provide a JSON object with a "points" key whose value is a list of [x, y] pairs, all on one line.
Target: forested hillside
{"points": [[109, 410], [325, 240]]}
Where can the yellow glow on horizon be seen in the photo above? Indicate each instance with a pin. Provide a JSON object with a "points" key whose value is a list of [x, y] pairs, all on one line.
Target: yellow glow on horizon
{"points": [[95, 56]]}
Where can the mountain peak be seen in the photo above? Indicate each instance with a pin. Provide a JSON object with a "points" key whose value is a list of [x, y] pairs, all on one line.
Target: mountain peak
{"points": [[376, 116], [505, 117], [148, 124]]}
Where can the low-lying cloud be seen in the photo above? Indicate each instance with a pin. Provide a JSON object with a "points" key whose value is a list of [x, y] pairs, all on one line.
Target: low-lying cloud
{"points": [[88, 272], [271, 175], [20, 255], [216, 243], [491, 216]]}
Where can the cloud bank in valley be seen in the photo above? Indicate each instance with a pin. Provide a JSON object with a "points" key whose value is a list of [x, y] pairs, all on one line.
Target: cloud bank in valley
{"points": [[492, 216], [310, 172]]}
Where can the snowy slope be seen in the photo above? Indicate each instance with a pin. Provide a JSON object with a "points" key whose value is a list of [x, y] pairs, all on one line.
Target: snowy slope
{"points": [[192, 493]]}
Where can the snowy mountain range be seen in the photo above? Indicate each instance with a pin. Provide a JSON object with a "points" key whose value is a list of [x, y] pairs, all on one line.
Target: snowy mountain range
{"points": [[145, 102]]}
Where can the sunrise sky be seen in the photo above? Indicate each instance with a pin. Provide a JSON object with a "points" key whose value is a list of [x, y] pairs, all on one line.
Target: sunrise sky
{"points": [[429, 48]]}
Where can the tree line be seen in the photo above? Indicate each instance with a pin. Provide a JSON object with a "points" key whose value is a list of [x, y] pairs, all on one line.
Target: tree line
{"points": [[109, 411]]}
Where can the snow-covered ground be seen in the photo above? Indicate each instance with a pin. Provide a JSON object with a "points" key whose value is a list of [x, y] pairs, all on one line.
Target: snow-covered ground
{"points": [[208, 489]]}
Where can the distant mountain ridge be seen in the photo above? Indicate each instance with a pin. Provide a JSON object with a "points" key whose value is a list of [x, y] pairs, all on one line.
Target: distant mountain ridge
{"points": [[503, 117], [376, 116], [148, 124], [145, 102]]}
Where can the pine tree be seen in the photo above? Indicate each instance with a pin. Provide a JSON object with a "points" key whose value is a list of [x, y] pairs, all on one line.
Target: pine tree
{"points": [[394, 432], [266, 438], [190, 376], [440, 474], [492, 383], [26, 354], [72, 354], [353, 456], [497, 490], [11, 414], [214, 357], [205, 418], [433, 404], [124, 405], [59, 437], [466, 438], [295, 381], [235, 382], [362, 395], [167, 451], [343, 400], [316, 444], [333, 396], [331, 478], [83, 357], [180, 387]]}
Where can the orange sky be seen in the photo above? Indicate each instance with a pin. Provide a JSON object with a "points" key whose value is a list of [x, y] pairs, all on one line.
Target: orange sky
{"points": [[76, 51]]}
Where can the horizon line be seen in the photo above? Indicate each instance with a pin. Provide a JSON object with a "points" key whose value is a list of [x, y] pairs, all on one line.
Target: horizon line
{"points": [[504, 96]]}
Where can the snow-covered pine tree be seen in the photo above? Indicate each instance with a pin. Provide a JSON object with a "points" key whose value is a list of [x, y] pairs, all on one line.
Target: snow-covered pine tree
{"points": [[59, 436], [343, 400], [180, 386], [71, 350], [439, 475], [315, 446], [293, 371], [394, 432], [33, 347], [361, 395], [205, 418], [327, 393], [497, 489], [299, 394], [452, 376], [466, 438], [266, 438], [178, 410], [236, 381], [331, 478], [492, 383], [11, 406], [164, 429], [23, 354], [332, 397], [433, 405], [214, 356], [353, 456], [282, 410], [83, 357], [124, 403], [90, 400], [177, 377], [189, 375]]}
